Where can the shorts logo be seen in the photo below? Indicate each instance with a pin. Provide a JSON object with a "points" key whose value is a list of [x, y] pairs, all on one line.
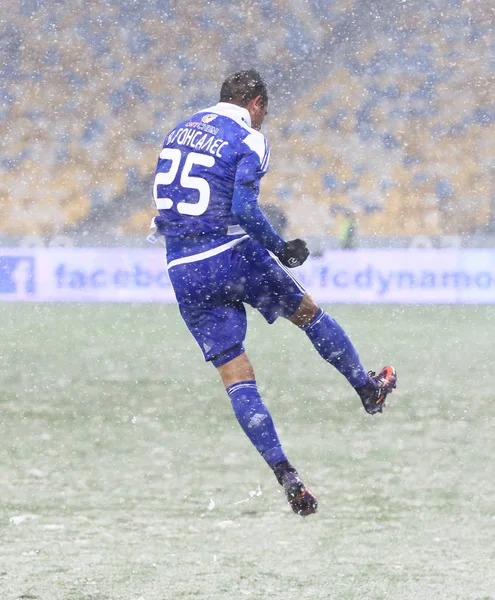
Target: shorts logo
{"points": [[208, 118], [17, 275]]}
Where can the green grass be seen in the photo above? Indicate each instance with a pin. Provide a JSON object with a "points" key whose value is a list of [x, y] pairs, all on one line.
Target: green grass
{"points": [[124, 475]]}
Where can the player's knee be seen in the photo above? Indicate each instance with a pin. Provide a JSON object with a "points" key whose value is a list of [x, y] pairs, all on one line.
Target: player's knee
{"points": [[236, 370], [305, 312]]}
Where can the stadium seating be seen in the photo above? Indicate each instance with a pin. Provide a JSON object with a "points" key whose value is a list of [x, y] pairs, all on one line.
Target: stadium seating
{"points": [[395, 124]]}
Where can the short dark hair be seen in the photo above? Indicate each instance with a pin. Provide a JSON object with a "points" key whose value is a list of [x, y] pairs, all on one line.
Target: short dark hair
{"points": [[241, 87]]}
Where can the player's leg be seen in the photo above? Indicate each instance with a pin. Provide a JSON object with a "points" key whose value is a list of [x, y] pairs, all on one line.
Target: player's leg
{"points": [[217, 321], [250, 410], [333, 344], [256, 421], [276, 292], [330, 340]]}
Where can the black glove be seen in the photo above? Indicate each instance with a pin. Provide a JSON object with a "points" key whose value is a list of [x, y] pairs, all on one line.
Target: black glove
{"points": [[294, 253]]}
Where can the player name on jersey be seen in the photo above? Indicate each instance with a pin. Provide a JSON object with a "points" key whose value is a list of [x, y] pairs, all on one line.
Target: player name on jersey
{"points": [[202, 160], [193, 136]]}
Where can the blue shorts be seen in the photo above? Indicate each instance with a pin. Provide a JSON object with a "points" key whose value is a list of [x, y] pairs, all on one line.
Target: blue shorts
{"points": [[211, 294]]}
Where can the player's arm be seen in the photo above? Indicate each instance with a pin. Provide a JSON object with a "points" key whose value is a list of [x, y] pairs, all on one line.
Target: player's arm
{"points": [[252, 219], [254, 222]]}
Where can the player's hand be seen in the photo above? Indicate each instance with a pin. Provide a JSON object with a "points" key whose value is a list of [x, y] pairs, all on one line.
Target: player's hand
{"points": [[294, 253]]}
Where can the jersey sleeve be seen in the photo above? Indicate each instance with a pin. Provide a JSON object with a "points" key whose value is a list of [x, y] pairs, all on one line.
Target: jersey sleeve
{"points": [[254, 161], [251, 167]]}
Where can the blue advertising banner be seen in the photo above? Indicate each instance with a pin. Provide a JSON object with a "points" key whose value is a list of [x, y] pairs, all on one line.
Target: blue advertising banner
{"points": [[414, 276]]}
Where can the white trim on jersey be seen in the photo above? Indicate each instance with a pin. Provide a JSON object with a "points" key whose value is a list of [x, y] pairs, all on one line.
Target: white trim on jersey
{"points": [[207, 254], [256, 141], [266, 161], [235, 230], [233, 111]]}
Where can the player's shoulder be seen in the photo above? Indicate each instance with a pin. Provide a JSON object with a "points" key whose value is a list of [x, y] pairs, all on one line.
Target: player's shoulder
{"points": [[237, 122], [257, 143]]}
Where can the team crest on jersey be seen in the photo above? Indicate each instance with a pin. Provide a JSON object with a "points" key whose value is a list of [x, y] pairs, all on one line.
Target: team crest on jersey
{"points": [[209, 118]]}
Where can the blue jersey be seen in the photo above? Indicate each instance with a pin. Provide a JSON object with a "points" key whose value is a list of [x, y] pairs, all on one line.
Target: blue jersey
{"points": [[202, 161]]}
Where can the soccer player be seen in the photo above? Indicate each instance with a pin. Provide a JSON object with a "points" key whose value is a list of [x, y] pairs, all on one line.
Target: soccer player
{"points": [[223, 253]]}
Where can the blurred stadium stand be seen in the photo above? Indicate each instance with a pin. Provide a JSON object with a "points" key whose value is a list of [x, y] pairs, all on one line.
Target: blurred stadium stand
{"points": [[381, 109]]}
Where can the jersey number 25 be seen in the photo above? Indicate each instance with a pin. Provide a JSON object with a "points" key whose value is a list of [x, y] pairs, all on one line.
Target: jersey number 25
{"points": [[187, 181]]}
